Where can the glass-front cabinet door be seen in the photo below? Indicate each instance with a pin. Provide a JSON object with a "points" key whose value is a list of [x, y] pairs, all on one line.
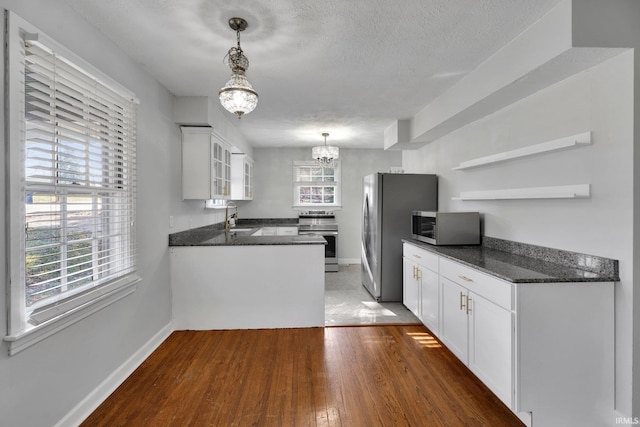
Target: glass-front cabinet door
{"points": [[206, 164], [221, 169], [241, 177], [248, 179]]}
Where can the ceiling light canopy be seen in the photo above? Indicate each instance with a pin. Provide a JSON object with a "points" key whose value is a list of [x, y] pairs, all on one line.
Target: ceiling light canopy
{"points": [[238, 96], [325, 154]]}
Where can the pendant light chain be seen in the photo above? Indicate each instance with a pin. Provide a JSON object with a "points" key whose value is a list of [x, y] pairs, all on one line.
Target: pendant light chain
{"points": [[238, 96]]}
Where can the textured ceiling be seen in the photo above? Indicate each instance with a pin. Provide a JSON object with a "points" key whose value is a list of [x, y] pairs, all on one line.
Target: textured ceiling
{"points": [[347, 67]]}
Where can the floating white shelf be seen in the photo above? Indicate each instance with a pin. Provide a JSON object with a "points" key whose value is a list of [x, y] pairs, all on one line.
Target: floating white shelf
{"points": [[557, 144], [556, 192]]}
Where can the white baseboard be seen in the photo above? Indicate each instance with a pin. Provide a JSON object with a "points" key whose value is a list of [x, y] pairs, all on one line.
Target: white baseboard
{"points": [[89, 404], [348, 261], [526, 418]]}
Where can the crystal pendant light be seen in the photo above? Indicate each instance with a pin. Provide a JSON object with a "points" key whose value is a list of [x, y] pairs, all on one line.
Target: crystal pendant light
{"points": [[325, 154], [238, 96]]}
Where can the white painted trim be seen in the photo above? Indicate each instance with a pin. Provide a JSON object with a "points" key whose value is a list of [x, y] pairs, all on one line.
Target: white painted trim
{"points": [[36, 333], [337, 184], [15, 206], [526, 418], [89, 404], [25, 330], [61, 307]]}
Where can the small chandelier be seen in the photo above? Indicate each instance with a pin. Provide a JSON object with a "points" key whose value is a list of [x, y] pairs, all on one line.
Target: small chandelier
{"points": [[325, 154], [238, 96]]}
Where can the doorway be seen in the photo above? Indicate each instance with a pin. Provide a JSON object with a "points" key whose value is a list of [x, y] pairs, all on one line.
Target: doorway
{"points": [[347, 302]]}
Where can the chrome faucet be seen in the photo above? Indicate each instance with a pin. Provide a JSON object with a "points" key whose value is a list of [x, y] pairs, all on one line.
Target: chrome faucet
{"points": [[227, 224]]}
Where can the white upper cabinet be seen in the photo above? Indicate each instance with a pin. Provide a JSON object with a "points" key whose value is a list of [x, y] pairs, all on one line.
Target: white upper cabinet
{"points": [[241, 177], [206, 165], [221, 173], [248, 179]]}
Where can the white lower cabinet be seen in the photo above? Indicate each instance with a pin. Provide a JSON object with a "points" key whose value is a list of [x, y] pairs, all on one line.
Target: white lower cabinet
{"points": [[491, 346], [421, 292], [429, 299], [545, 349], [411, 289], [480, 334], [476, 329], [454, 329]]}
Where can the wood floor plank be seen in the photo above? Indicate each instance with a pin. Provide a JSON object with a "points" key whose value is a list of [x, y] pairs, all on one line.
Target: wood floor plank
{"points": [[383, 375]]}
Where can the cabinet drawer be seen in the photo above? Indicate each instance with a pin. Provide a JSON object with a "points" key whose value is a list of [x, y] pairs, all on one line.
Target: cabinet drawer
{"points": [[269, 231], [493, 289], [421, 256], [287, 231]]}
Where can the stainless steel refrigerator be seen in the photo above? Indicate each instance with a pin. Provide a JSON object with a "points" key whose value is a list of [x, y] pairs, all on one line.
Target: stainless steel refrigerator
{"points": [[388, 202]]}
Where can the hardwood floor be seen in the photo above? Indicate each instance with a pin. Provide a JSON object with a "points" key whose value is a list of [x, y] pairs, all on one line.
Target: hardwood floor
{"points": [[342, 376]]}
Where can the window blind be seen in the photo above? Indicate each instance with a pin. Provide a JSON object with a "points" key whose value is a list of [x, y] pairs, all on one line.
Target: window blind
{"points": [[80, 181]]}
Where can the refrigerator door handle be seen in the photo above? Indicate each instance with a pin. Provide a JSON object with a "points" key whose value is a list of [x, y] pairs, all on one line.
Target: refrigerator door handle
{"points": [[365, 220]]}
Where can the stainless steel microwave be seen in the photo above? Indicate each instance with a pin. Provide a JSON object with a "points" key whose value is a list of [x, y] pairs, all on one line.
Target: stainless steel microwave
{"points": [[446, 228]]}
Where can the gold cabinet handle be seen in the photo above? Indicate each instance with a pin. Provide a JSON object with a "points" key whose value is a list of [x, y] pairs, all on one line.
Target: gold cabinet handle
{"points": [[413, 271], [469, 305], [462, 300], [465, 278], [418, 274], [417, 256]]}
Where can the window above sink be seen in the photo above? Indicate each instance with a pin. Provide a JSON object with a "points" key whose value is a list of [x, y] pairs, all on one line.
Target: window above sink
{"points": [[316, 186]]}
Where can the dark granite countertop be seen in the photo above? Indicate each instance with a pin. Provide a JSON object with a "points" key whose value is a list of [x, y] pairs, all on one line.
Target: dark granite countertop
{"points": [[523, 263], [240, 235]]}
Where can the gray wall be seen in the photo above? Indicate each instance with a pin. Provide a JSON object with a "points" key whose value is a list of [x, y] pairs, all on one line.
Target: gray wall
{"points": [[599, 100], [273, 192], [41, 384]]}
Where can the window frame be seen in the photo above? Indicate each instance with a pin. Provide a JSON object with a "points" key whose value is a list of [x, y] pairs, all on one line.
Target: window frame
{"points": [[24, 328], [336, 184]]}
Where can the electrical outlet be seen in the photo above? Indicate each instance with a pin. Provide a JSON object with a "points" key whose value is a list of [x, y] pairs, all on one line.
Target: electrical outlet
{"points": [[171, 223]]}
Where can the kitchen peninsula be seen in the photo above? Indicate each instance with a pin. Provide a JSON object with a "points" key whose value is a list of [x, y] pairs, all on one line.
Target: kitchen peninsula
{"points": [[239, 279]]}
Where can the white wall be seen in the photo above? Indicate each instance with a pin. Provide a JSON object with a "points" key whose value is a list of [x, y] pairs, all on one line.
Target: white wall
{"points": [[273, 192], [605, 24], [599, 100], [41, 384]]}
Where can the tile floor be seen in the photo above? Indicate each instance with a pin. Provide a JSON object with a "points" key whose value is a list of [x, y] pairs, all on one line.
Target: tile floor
{"points": [[347, 302]]}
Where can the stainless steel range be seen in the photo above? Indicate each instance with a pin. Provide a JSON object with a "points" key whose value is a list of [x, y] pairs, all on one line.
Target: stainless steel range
{"points": [[322, 223]]}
